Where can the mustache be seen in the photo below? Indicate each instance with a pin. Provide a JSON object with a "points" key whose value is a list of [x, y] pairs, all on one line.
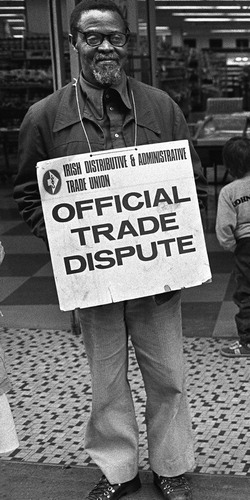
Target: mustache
{"points": [[102, 57]]}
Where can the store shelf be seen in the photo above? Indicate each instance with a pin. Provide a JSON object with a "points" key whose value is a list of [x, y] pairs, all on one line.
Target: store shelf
{"points": [[25, 76]]}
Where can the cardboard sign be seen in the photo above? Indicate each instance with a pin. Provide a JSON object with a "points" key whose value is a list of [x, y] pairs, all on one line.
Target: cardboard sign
{"points": [[122, 224]]}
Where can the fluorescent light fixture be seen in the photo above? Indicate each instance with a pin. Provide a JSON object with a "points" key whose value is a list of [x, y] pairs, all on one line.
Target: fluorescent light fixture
{"points": [[200, 7], [216, 20], [8, 15], [16, 21], [208, 15], [198, 14], [12, 8], [230, 31], [193, 1]]}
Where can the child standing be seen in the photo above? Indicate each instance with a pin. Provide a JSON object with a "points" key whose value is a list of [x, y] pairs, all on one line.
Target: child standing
{"points": [[233, 234], [8, 436]]}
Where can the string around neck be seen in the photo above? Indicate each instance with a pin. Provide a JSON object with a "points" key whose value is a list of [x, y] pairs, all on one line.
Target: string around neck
{"points": [[80, 116]]}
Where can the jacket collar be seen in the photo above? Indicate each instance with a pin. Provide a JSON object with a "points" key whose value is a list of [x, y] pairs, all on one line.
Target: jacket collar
{"points": [[67, 112]]}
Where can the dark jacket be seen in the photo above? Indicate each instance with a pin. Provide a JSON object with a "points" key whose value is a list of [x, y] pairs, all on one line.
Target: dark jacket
{"points": [[52, 129]]}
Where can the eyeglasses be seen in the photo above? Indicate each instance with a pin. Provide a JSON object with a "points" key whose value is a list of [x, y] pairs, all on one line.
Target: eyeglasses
{"points": [[94, 39]]}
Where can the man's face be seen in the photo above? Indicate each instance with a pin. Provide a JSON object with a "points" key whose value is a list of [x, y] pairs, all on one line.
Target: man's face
{"points": [[101, 65]]}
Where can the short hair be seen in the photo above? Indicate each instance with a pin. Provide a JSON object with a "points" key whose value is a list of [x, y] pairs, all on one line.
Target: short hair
{"points": [[87, 5], [236, 156]]}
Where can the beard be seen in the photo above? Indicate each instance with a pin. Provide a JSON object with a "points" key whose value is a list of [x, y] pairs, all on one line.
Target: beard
{"points": [[106, 71]]}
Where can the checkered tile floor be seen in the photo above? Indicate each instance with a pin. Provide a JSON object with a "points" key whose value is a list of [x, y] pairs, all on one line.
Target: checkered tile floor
{"points": [[51, 400], [51, 392]]}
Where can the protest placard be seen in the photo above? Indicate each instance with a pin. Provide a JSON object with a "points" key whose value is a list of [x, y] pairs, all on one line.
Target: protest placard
{"points": [[123, 223]]}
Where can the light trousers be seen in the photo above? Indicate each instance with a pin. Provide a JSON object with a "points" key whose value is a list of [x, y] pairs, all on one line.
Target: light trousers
{"points": [[112, 434]]}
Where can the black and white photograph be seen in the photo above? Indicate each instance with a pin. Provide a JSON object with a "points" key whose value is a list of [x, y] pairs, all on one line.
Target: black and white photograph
{"points": [[124, 249]]}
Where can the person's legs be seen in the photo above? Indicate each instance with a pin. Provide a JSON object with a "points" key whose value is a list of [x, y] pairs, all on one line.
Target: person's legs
{"points": [[156, 333], [241, 298], [242, 292], [112, 433]]}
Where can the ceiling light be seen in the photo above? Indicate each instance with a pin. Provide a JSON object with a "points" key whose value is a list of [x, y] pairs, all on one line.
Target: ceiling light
{"points": [[230, 31], [215, 20], [200, 7], [207, 14], [198, 14], [21, 20], [8, 15], [12, 8], [193, 1]]}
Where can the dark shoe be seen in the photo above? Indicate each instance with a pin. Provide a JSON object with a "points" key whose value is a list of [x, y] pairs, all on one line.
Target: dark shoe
{"points": [[173, 488], [103, 489], [236, 350]]}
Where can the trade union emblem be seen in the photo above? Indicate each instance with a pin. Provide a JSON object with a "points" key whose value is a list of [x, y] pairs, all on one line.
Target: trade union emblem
{"points": [[52, 181]]}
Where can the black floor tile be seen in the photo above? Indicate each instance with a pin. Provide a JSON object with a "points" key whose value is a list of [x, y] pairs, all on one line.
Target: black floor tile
{"points": [[34, 291], [221, 262], [199, 319], [23, 264]]}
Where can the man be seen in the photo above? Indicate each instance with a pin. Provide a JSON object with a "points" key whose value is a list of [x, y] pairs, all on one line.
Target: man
{"points": [[105, 109]]}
